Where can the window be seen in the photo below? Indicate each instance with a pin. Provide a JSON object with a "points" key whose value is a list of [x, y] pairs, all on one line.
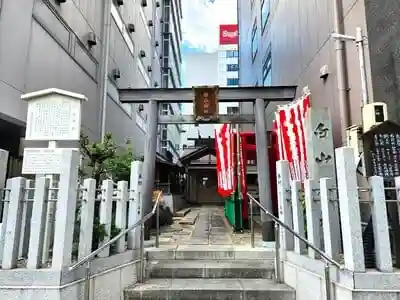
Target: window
{"points": [[254, 40], [222, 54], [232, 67], [232, 81], [265, 10], [164, 134], [164, 109], [233, 110], [267, 66], [232, 53]]}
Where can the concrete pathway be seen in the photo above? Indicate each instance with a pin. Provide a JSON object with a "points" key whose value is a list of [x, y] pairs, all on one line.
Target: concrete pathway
{"points": [[210, 228]]}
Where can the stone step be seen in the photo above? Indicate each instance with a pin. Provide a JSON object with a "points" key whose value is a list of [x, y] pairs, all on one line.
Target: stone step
{"points": [[209, 252], [263, 269], [210, 289], [183, 212], [190, 218]]}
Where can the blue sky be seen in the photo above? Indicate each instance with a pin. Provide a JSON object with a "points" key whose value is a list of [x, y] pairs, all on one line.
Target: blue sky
{"points": [[200, 27], [201, 20]]}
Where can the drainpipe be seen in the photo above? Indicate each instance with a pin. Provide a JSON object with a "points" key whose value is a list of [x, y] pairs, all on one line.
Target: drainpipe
{"points": [[103, 77], [341, 68]]}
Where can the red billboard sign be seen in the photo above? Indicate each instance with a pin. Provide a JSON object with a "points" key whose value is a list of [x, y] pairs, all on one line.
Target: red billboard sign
{"points": [[228, 34]]}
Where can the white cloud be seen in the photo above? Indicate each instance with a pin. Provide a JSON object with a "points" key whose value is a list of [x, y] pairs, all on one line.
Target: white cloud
{"points": [[201, 20]]}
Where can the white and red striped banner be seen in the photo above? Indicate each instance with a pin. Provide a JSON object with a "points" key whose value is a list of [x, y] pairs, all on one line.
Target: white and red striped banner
{"points": [[289, 125], [225, 160]]}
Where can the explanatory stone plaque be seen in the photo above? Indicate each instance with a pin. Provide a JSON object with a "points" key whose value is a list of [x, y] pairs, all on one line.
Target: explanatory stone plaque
{"points": [[42, 161], [53, 119], [382, 150]]}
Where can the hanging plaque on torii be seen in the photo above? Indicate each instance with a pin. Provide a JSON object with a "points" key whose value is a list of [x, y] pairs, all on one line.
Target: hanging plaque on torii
{"points": [[205, 103]]}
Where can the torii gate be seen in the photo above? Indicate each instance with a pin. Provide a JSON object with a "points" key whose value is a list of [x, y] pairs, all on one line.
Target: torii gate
{"points": [[199, 96]]}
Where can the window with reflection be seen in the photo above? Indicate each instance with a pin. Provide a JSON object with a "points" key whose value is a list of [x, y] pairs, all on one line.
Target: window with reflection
{"points": [[254, 40], [265, 11], [267, 67]]}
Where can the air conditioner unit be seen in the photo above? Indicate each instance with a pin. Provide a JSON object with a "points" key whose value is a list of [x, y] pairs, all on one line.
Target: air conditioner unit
{"points": [[374, 114], [353, 139]]}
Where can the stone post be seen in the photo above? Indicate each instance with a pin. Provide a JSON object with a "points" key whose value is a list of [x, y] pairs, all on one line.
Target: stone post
{"points": [[65, 212], [330, 219], [349, 209]]}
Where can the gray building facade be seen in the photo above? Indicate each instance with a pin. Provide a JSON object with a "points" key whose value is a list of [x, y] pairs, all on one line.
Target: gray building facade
{"points": [[286, 42], [91, 47]]}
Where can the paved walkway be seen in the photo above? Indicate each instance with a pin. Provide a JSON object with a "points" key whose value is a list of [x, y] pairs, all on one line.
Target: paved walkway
{"points": [[210, 228]]}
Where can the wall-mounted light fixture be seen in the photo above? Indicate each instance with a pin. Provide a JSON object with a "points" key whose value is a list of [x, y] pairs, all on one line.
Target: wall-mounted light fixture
{"points": [[116, 74], [91, 39], [150, 23], [324, 72], [142, 53], [119, 2], [158, 4], [143, 3], [130, 27], [149, 69]]}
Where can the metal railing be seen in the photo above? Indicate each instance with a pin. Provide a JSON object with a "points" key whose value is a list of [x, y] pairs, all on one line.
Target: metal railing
{"points": [[278, 223], [88, 259]]}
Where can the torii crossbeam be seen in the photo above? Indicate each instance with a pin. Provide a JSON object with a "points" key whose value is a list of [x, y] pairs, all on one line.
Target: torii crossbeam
{"points": [[260, 96]]}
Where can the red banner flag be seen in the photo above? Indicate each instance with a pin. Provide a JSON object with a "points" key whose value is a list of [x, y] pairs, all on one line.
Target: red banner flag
{"points": [[289, 126], [224, 160]]}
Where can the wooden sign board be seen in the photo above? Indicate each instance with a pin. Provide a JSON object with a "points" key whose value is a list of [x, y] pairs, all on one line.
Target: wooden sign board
{"points": [[205, 103], [382, 150]]}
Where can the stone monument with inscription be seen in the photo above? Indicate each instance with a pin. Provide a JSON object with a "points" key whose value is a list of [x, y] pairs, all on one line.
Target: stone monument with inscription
{"points": [[319, 138], [54, 115]]}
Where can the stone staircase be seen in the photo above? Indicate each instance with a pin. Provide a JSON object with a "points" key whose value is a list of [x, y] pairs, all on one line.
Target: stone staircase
{"points": [[210, 272]]}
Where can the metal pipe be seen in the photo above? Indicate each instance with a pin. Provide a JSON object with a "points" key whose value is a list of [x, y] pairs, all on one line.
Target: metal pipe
{"points": [[341, 71], [158, 226], [141, 269], [92, 255], [251, 223], [328, 282], [361, 57], [277, 254], [309, 244], [103, 80], [87, 281]]}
